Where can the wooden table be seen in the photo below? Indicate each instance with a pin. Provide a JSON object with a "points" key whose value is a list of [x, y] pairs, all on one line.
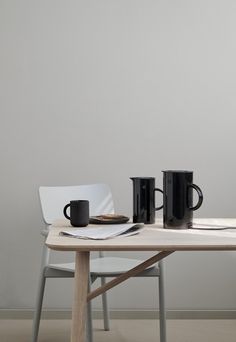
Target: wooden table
{"points": [[151, 238]]}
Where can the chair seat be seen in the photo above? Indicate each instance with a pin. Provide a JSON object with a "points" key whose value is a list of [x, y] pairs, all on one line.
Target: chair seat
{"points": [[109, 266]]}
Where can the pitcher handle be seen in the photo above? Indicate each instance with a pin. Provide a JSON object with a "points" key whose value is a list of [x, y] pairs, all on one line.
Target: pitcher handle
{"points": [[200, 195], [159, 208]]}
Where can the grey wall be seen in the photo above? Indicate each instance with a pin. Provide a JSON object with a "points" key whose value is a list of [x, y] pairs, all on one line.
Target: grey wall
{"points": [[98, 91]]}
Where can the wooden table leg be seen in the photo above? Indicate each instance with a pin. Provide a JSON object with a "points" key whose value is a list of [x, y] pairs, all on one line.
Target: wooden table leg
{"points": [[80, 297]]}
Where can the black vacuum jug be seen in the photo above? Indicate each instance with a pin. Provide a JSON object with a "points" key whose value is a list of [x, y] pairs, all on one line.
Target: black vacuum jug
{"points": [[144, 199], [178, 198]]}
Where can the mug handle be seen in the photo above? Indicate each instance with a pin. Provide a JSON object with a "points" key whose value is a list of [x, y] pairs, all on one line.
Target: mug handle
{"points": [[64, 211], [158, 208], [200, 195]]}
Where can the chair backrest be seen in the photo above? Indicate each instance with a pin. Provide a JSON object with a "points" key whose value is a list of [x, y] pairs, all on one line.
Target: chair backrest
{"points": [[54, 198]]}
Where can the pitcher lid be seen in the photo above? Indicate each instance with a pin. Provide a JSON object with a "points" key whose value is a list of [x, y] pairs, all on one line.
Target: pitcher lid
{"points": [[142, 177], [177, 171]]}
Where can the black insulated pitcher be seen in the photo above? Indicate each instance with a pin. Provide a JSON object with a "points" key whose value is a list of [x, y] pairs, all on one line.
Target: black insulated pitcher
{"points": [[144, 199], [178, 198]]}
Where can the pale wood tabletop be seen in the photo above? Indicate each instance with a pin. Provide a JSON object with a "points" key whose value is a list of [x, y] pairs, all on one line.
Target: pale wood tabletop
{"points": [[151, 238]]}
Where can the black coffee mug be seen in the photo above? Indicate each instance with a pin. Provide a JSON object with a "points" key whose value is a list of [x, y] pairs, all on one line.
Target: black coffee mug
{"points": [[79, 213], [144, 199], [178, 199]]}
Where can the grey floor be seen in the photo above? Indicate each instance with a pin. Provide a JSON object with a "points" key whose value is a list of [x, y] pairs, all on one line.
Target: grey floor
{"points": [[124, 331]]}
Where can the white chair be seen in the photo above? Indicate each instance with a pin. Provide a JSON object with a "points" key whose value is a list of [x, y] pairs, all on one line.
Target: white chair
{"points": [[53, 200]]}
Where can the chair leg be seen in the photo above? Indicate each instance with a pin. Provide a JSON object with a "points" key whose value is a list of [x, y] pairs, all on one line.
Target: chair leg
{"points": [[39, 298], [105, 307], [162, 311], [89, 325], [38, 308]]}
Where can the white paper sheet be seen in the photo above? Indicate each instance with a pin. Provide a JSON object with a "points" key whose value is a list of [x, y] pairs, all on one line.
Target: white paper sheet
{"points": [[103, 232]]}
